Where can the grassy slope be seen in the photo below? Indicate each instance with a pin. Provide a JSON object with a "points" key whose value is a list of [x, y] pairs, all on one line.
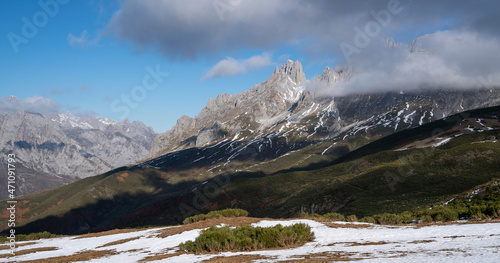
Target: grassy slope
{"points": [[98, 200], [375, 178]]}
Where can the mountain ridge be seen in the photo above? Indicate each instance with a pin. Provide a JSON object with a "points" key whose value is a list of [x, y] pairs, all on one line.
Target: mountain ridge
{"points": [[284, 109], [57, 148]]}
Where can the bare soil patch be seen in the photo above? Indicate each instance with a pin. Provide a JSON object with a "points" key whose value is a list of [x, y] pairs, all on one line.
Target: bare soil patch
{"points": [[239, 258], [29, 251], [110, 232], [2, 247], [325, 257], [82, 256], [161, 256], [118, 242], [335, 225]]}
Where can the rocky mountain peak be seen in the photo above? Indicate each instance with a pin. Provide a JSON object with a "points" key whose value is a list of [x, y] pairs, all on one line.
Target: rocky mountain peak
{"points": [[418, 44], [12, 99], [390, 43], [331, 76], [291, 69]]}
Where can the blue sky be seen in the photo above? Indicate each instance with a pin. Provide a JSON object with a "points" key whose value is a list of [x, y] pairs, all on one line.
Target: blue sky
{"points": [[90, 78], [86, 56]]}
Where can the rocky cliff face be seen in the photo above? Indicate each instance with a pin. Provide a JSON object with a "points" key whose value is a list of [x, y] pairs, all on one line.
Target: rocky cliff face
{"points": [[59, 148], [251, 111]]}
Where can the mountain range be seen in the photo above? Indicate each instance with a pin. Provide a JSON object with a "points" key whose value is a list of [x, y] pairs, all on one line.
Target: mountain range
{"points": [[282, 115], [276, 149], [53, 149]]}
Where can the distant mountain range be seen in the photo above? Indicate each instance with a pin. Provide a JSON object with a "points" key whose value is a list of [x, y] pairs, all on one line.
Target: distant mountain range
{"points": [[57, 148]]}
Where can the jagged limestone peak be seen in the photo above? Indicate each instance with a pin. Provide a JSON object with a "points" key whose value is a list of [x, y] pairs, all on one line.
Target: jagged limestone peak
{"points": [[291, 69]]}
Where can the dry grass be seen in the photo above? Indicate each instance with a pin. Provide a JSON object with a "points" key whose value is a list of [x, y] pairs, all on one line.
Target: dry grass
{"points": [[325, 257], [110, 232], [454, 223], [161, 256], [231, 221], [118, 242], [82, 256], [28, 251], [335, 225], [370, 243], [453, 237], [421, 241], [239, 258], [5, 247], [352, 244]]}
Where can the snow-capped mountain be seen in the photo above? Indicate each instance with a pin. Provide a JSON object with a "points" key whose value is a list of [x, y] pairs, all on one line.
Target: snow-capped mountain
{"points": [[284, 114], [56, 148]]}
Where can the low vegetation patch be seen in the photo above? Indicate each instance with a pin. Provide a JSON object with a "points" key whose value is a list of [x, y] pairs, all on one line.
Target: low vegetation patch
{"points": [[482, 203], [216, 214], [32, 236], [247, 238]]}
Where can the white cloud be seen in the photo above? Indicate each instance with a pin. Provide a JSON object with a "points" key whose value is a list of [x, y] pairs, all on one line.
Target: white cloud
{"points": [[450, 60], [39, 104], [231, 66], [36, 104], [82, 40]]}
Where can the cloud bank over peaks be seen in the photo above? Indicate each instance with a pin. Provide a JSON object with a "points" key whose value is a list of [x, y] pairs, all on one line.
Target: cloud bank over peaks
{"points": [[444, 60]]}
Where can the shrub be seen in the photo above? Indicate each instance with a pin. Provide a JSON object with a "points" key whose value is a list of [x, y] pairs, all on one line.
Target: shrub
{"points": [[304, 215], [352, 218], [425, 219], [407, 217], [444, 213], [388, 219], [335, 216], [216, 214], [244, 238]]}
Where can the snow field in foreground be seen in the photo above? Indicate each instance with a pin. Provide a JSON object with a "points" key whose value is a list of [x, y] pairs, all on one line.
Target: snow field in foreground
{"points": [[372, 243]]}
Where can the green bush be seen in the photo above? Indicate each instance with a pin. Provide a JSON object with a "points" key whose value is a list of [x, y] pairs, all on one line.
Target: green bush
{"points": [[352, 218], [245, 238], [335, 216], [216, 214], [425, 219], [444, 213], [304, 215], [407, 217], [388, 219], [484, 204]]}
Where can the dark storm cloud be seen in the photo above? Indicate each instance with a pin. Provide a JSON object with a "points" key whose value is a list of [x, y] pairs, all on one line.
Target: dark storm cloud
{"points": [[462, 52], [187, 29]]}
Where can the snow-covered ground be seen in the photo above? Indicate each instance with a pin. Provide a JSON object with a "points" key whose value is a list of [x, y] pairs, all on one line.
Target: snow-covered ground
{"points": [[370, 243]]}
